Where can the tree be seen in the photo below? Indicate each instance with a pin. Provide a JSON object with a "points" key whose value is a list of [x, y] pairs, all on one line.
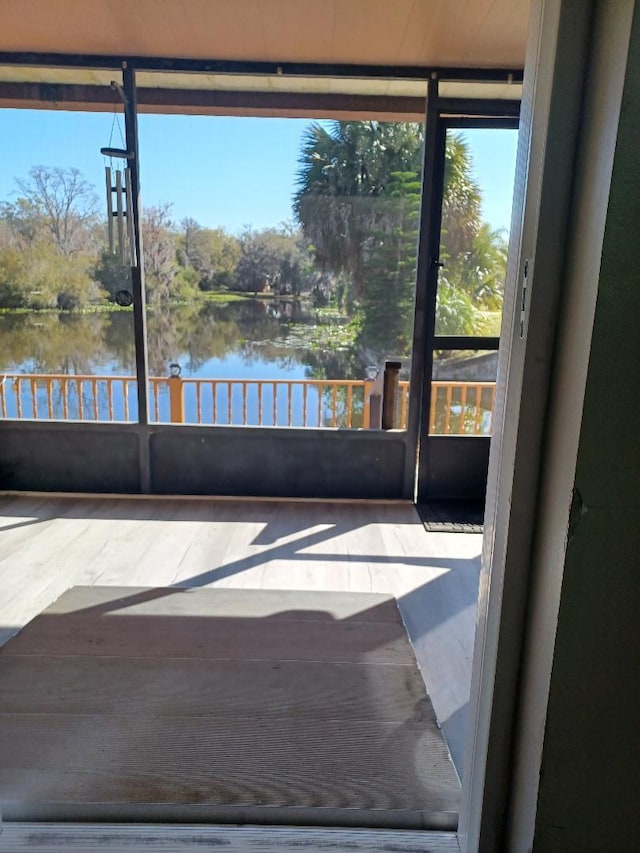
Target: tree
{"points": [[59, 202], [112, 274], [36, 275], [461, 199], [471, 286], [22, 223], [390, 266], [165, 278], [471, 283], [158, 251], [357, 200], [47, 239], [273, 256], [211, 252], [346, 173], [14, 290]]}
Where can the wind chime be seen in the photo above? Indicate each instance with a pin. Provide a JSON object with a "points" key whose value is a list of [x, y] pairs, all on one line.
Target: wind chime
{"points": [[119, 199]]}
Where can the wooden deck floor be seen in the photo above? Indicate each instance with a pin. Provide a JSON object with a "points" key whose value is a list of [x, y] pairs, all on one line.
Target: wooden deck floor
{"points": [[131, 838], [49, 544], [219, 705]]}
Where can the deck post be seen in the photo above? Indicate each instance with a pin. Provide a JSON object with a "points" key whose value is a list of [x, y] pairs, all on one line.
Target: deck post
{"points": [[366, 403], [176, 400], [390, 393]]}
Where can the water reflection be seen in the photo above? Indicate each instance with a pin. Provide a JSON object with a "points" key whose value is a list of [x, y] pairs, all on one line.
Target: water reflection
{"points": [[250, 338]]}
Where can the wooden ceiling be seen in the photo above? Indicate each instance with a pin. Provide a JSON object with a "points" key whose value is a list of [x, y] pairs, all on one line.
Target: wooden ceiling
{"points": [[452, 33]]}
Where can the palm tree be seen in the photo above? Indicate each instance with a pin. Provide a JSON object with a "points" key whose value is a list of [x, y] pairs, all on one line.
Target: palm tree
{"points": [[461, 198], [357, 200], [344, 187]]}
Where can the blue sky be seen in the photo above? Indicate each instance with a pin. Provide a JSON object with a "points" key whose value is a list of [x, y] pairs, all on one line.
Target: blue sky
{"points": [[219, 171]]}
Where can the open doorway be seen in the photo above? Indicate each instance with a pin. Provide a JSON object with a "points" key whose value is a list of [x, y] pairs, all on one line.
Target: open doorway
{"points": [[336, 456], [466, 281]]}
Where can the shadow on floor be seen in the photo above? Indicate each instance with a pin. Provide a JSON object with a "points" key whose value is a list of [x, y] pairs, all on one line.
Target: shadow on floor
{"points": [[230, 704]]}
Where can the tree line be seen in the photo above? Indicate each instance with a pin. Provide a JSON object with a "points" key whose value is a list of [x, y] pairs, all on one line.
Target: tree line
{"points": [[352, 241], [53, 252]]}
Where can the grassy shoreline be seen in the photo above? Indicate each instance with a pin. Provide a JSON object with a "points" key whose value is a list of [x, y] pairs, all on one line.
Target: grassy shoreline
{"points": [[221, 297]]}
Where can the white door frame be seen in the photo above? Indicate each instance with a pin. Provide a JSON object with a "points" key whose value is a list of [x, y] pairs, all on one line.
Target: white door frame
{"points": [[568, 130]]}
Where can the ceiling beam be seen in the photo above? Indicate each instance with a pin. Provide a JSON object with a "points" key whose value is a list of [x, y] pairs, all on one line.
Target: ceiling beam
{"points": [[471, 107], [212, 102], [293, 69]]}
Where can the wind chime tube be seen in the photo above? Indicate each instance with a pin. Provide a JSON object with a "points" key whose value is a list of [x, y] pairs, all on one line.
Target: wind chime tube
{"points": [[120, 216], [130, 214], [107, 174]]}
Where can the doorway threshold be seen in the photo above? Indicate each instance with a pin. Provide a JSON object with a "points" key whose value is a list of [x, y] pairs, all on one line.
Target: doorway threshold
{"points": [[117, 838]]}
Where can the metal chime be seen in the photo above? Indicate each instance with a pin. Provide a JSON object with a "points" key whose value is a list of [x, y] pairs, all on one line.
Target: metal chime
{"points": [[119, 208], [120, 213]]}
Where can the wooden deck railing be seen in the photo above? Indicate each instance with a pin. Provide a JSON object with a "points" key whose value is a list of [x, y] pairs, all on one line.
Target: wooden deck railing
{"points": [[457, 408], [461, 408], [62, 396], [261, 402]]}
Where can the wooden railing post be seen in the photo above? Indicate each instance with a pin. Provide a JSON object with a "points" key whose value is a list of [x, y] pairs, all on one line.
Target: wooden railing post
{"points": [[373, 398], [176, 400], [366, 403], [390, 393]]}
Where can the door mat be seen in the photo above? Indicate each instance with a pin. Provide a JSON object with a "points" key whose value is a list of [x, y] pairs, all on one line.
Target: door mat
{"points": [[452, 516]]}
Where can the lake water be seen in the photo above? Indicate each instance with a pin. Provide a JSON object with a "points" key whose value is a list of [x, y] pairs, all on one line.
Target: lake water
{"points": [[242, 340], [250, 340]]}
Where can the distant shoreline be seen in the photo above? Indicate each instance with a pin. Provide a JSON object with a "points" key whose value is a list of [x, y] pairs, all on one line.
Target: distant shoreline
{"points": [[109, 307]]}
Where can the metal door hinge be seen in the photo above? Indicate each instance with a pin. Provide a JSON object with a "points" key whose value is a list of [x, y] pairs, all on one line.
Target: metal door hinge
{"points": [[524, 304]]}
